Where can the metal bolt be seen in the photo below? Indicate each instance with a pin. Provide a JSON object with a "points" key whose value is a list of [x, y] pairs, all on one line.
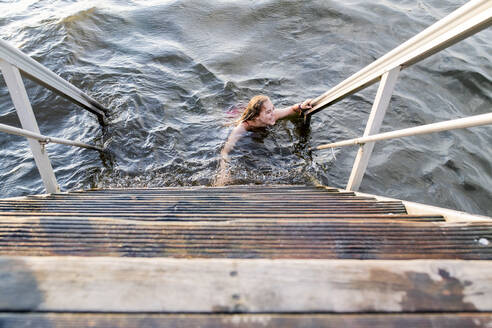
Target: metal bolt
{"points": [[484, 242]]}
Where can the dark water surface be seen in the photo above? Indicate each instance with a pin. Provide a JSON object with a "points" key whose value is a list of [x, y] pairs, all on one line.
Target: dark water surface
{"points": [[169, 70]]}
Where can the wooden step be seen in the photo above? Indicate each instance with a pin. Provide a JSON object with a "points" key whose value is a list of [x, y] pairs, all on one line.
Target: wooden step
{"points": [[238, 256], [136, 285], [322, 238], [132, 320], [224, 203], [295, 222]]}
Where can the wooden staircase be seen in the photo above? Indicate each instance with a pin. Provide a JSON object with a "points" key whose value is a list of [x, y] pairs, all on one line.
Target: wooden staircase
{"points": [[238, 256]]}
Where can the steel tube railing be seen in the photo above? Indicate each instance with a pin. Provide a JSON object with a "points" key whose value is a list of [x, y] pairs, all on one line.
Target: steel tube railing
{"points": [[42, 75], [467, 20], [13, 63], [463, 22], [44, 139], [467, 122]]}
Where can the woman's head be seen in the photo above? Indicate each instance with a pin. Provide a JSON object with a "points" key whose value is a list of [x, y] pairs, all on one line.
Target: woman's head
{"points": [[259, 110]]}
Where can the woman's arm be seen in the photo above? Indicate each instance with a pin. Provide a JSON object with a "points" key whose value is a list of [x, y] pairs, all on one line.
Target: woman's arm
{"points": [[235, 135], [295, 109]]}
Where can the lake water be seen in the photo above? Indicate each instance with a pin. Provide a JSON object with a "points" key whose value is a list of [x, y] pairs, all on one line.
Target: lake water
{"points": [[170, 71]]}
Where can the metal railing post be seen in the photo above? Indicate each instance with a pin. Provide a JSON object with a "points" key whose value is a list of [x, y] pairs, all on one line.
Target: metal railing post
{"points": [[381, 102], [23, 107]]}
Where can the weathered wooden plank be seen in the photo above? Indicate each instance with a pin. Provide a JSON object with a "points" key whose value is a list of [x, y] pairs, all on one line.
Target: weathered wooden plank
{"points": [[201, 196], [246, 238], [243, 192], [74, 284], [167, 203], [190, 206], [247, 223], [233, 188], [148, 320], [237, 188], [206, 214], [207, 191], [236, 254], [222, 203], [191, 216], [243, 250], [249, 241], [350, 223], [371, 222]]}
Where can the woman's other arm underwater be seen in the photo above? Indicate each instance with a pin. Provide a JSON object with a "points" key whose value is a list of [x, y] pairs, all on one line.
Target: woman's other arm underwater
{"points": [[236, 134]]}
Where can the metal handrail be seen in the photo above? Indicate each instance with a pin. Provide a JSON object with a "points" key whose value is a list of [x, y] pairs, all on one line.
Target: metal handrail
{"points": [[13, 63], [44, 139], [467, 20], [461, 123], [43, 76]]}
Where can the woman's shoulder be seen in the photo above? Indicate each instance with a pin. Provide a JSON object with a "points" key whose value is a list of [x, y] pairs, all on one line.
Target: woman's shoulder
{"points": [[242, 127], [238, 131]]}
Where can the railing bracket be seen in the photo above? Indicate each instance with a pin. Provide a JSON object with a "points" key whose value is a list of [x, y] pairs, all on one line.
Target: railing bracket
{"points": [[43, 144]]}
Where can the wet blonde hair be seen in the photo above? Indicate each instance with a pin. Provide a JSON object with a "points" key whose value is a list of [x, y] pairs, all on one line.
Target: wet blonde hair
{"points": [[253, 109]]}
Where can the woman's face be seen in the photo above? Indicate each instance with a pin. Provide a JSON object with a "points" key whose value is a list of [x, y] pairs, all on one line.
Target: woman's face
{"points": [[266, 116]]}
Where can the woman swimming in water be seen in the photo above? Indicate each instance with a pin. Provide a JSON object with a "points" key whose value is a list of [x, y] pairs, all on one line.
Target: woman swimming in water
{"points": [[259, 113]]}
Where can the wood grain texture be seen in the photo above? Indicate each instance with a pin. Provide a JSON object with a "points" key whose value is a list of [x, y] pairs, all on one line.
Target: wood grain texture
{"points": [[176, 252], [68, 320], [297, 222], [172, 203], [75, 284], [345, 237]]}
